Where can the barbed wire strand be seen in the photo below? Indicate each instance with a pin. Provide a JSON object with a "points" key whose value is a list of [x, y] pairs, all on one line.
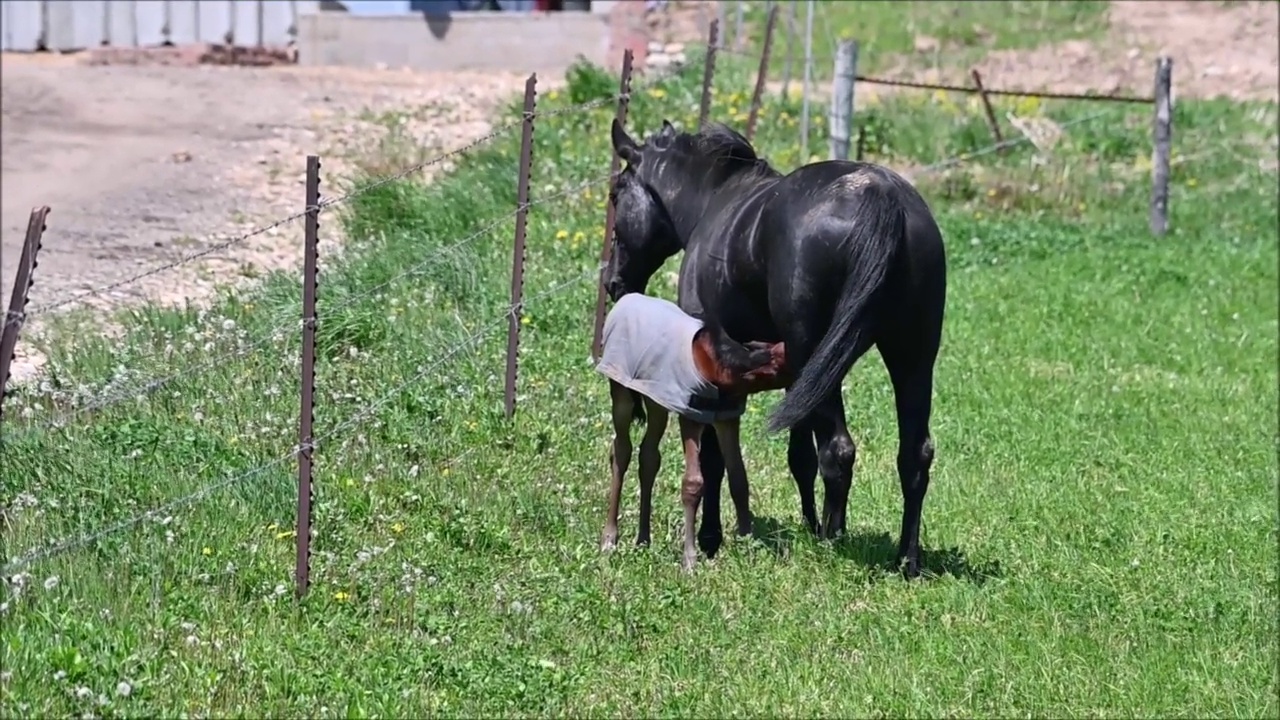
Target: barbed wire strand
{"points": [[146, 388], [967, 89], [1011, 142], [361, 416], [493, 223], [68, 544], [324, 205]]}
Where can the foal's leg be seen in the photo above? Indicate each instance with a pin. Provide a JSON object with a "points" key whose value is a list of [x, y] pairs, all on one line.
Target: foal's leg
{"points": [[650, 463], [622, 407], [728, 434], [711, 463], [691, 489]]}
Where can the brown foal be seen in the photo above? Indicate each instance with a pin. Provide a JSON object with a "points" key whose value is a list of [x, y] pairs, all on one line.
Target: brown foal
{"points": [[756, 367]]}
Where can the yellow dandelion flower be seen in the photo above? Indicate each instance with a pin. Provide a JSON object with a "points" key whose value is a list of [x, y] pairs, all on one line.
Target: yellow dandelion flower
{"points": [[444, 471], [562, 234], [350, 482], [579, 236], [207, 551], [397, 528], [524, 320], [1192, 182], [658, 93], [341, 596], [553, 95], [991, 192]]}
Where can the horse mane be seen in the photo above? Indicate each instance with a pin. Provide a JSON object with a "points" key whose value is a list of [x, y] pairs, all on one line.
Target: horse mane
{"points": [[719, 142]]}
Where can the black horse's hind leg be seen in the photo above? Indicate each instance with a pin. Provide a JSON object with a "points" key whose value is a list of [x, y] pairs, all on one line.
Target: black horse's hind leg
{"points": [[913, 395], [711, 461], [837, 454], [802, 460]]}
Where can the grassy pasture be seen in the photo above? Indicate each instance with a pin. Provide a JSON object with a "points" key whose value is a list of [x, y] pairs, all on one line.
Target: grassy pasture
{"points": [[1102, 523]]}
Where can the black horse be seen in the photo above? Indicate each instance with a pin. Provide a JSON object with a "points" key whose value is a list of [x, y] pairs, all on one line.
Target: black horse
{"points": [[831, 259]]}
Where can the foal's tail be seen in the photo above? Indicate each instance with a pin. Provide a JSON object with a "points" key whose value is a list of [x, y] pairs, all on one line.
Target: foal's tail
{"points": [[879, 231]]}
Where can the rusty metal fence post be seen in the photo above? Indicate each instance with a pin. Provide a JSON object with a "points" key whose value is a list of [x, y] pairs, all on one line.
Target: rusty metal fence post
{"points": [[708, 72], [517, 257], [22, 282], [762, 73], [606, 252], [306, 416]]}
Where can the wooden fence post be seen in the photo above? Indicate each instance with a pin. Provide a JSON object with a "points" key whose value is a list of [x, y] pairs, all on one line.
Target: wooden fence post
{"points": [[757, 96], [789, 60], [517, 257], [708, 73], [1163, 140], [306, 412], [843, 81], [808, 81]]}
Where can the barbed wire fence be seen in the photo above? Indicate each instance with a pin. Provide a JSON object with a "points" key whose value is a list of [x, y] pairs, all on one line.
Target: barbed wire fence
{"points": [[134, 388], [304, 327]]}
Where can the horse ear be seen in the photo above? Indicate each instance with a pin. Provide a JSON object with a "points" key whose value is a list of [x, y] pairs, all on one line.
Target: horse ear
{"points": [[668, 130], [623, 144]]}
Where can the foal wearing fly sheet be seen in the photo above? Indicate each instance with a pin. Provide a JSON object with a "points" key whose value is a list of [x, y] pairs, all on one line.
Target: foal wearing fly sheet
{"points": [[657, 356], [833, 258]]}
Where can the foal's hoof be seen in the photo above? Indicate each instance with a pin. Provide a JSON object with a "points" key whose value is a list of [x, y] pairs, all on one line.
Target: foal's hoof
{"points": [[608, 543], [688, 563]]}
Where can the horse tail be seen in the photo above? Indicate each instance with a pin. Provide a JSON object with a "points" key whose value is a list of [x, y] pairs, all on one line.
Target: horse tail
{"points": [[637, 408], [877, 234]]}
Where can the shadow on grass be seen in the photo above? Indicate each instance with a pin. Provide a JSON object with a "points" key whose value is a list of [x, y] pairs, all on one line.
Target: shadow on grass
{"points": [[878, 551]]}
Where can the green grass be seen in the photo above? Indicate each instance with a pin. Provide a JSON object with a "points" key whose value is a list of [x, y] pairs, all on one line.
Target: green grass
{"points": [[1102, 520], [951, 33]]}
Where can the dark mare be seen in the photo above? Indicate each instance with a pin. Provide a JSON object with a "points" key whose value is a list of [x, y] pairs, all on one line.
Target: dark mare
{"points": [[831, 259]]}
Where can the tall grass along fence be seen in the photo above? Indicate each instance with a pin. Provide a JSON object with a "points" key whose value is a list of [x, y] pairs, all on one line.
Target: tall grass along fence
{"points": [[321, 315]]}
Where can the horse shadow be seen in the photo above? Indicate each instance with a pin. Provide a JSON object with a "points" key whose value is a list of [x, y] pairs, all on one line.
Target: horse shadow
{"points": [[878, 551]]}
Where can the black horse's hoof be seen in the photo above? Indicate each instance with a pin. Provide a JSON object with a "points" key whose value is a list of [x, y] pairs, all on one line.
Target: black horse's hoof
{"points": [[709, 543]]}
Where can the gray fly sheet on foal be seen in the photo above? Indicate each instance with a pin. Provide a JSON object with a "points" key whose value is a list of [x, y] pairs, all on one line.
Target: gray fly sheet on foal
{"points": [[648, 347]]}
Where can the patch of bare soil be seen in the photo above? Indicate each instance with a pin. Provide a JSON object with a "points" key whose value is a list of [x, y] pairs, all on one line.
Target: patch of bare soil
{"points": [[1218, 50], [146, 164]]}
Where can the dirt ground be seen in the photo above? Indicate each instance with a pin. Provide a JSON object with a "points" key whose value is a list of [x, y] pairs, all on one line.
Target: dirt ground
{"points": [[144, 165]]}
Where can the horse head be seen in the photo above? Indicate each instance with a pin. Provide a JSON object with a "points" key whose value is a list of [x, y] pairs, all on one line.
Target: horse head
{"points": [[662, 193], [644, 235]]}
